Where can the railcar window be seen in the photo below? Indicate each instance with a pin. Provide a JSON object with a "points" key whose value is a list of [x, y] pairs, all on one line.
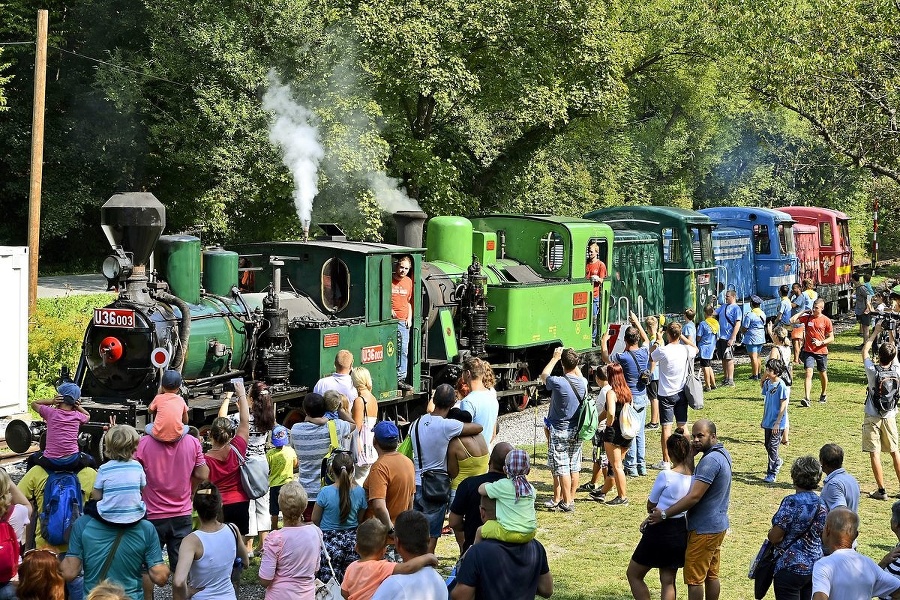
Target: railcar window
{"points": [[826, 237], [671, 246], [786, 238], [844, 227], [552, 251], [335, 285], [761, 242]]}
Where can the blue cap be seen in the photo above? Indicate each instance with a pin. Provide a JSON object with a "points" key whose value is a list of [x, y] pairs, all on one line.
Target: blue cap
{"points": [[386, 431], [171, 380], [70, 392], [279, 436], [755, 299]]}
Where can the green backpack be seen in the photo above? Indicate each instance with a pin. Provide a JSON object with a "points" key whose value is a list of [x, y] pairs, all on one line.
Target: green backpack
{"points": [[586, 417]]}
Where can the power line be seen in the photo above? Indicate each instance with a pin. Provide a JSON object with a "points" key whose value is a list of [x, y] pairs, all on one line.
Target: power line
{"points": [[16, 43], [119, 67]]}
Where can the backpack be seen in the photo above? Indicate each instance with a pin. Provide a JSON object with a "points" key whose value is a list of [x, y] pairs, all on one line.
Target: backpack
{"points": [[629, 421], [586, 417], [63, 503], [886, 390], [9, 548]]}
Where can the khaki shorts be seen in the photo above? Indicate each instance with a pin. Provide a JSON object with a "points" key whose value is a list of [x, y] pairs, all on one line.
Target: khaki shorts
{"points": [[701, 559], [879, 434]]}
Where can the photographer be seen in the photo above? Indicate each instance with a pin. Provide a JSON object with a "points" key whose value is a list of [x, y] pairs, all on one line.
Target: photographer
{"points": [[880, 424]]}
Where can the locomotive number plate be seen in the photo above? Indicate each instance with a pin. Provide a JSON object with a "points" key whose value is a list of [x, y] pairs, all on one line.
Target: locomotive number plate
{"points": [[372, 354], [114, 317]]}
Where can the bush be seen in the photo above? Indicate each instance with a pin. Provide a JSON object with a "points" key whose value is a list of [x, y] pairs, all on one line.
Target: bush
{"points": [[55, 335]]}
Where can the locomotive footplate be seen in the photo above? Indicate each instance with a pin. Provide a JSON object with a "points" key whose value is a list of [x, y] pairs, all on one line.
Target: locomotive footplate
{"points": [[128, 413]]}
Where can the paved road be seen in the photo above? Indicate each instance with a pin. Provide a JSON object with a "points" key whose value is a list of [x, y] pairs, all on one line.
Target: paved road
{"points": [[71, 285]]}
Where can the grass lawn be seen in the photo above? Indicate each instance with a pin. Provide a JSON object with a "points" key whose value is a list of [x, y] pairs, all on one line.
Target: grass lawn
{"points": [[589, 550]]}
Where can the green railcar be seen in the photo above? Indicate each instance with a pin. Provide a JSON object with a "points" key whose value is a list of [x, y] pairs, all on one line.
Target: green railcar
{"points": [[685, 248], [636, 275]]}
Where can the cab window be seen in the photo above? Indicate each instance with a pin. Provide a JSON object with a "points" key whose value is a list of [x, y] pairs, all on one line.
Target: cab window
{"points": [[761, 242], [826, 236], [552, 251], [335, 285], [845, 234], [671, 246], [786, 239]]}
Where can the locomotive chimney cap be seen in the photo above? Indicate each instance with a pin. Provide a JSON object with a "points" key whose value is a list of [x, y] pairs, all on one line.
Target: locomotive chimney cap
{"points": [[134, 221]]}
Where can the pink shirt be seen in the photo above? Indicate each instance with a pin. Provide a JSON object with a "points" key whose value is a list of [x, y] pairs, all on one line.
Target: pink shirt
{"points": [[290, 559], [170, 410], [168, 467], [62, 430]]}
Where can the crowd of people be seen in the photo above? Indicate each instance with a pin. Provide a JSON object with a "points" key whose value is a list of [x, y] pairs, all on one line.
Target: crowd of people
{"points": [[347, 504]]}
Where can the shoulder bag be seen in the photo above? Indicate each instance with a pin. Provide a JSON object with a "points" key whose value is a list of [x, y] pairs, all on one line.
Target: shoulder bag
{"points": [[332, 589], [254, 475], [644, 375], [586, 418], [435, 482], [365, 452], [693, 387]]}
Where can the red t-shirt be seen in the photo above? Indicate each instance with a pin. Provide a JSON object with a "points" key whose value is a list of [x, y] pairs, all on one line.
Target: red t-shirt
{"points": [[225, 473], [401, 297], [595, 268], [817, 328]]}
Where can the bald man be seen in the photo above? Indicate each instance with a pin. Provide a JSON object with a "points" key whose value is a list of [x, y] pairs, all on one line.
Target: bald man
{"points": [[830, 572]]}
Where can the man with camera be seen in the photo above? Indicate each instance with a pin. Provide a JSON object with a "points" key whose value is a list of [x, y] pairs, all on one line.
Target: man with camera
{"points": [[879, 431], [818, 334]]}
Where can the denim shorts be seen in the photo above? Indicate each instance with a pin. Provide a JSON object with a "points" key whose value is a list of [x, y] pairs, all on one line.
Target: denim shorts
{"points": [[433, 512]]}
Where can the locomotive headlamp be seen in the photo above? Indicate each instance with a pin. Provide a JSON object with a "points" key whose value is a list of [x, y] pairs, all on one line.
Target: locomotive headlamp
{"points": [[111, 349], [118, 265]]}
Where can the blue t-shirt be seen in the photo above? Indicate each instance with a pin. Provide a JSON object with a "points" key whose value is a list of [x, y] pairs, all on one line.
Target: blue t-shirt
{"points": [[706, 340], [729, 318], [773, 395], [785, 312], [710, 514], [801, 547], [840, 488], [689, 330], [329, 499], [756, 329], [632, 364], [563, 402]]}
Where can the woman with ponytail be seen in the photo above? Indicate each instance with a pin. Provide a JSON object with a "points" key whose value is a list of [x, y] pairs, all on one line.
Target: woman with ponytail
{"points": [[338, 512]]}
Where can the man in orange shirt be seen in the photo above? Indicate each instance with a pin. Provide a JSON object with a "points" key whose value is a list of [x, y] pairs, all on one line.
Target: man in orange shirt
{"points": [[595, 270], [401, 309], [391, 484], [818, 333]]}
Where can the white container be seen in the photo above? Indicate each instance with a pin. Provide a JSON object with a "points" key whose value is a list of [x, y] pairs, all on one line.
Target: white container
{"points": [[14, 328]]}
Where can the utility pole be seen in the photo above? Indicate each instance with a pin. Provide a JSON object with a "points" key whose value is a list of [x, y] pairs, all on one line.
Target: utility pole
{"points": [[37, 157]]}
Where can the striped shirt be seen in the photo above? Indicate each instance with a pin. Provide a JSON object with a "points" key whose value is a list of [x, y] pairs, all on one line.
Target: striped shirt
{"points": [[121, 483], [311, 443]]}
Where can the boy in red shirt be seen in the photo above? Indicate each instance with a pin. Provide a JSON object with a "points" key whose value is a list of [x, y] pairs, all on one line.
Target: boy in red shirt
{"points": [[595, 270], [401, 309], [169, 410], [818, 333]]}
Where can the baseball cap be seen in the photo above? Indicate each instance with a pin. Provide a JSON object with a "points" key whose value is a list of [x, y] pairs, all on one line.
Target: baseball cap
{"points": [[895, 291], [386, 431], [69, 391], [171, 379], [755, 299], [279, 436]]}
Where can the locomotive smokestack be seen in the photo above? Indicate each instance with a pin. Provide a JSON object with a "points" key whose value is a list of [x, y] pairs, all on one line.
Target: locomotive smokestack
{"points": [[410, 224], [306, 233], [133, 221]]}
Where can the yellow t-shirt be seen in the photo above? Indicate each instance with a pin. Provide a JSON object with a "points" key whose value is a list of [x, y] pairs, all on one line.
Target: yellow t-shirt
{"points": [[281, 465], [32, 487]]}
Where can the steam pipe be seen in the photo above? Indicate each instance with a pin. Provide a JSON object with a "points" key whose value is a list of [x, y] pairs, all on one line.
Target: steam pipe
{"points": [[184, 327]]}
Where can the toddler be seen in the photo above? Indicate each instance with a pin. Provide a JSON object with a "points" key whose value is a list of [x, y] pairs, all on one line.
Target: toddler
{"points": [[516, 520], [364, 576], [282, 461], [775, 398], [64, 417], [116, 497], [169, 410]]}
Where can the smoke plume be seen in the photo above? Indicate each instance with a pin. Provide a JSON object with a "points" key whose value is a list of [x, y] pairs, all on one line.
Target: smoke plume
{"points": [[293, 128], [388, 194]]}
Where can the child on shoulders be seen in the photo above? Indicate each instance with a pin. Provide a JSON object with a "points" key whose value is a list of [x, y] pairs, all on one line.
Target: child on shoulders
{"points": [[516, 518], [169, 410], [116, 497], [364, 576], [64, 417]]}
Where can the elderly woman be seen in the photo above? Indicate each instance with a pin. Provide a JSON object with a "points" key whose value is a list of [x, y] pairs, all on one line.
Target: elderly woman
{"points": [[222, 460], [797, 533], [291, 554], [207, 555], [262, 420], [365, 415]]}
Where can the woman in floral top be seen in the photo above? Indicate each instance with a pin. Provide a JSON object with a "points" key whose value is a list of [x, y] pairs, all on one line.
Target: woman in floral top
{"points": [[797, 533]]}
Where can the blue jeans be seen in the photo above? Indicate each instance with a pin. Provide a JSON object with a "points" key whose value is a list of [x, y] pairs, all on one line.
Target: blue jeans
{"points": [[433, 512], [75, 588], [635, 461], [402, 349], [596, 320]]}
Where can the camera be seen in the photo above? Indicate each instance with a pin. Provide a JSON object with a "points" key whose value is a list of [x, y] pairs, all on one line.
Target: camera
{"points": [[889, 321]]}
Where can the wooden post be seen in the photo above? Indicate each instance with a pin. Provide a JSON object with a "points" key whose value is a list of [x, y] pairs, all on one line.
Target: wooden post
{"points": [[37, 157]]}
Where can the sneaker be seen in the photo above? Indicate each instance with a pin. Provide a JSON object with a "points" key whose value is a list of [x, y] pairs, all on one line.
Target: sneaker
{"points": [[641, 473], [551, 504], [631, 474], [618, 501], [823, 399], [769, 478], [587, 487], [599, 497], [728, 383], [563, 507], [652, 426], [804, 403], [878, 495], [662, 466]]}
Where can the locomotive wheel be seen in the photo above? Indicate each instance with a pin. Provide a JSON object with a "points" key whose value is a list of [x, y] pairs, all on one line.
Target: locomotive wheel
{"points": [[520, 403]]}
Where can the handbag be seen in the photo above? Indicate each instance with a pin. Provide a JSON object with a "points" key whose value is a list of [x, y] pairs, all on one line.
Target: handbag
{"points": [[254, 476], [693, 387], [762, 569], [332, 589], [629, 421], [365, 453], [435, 482]]}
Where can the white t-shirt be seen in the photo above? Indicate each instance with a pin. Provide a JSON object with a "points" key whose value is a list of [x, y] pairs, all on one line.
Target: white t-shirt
{"points": [[435, 434], [669, 488], [425, 584], [338, 382], [484, 408], [672, 360], [847, 575], [19, 520]]}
